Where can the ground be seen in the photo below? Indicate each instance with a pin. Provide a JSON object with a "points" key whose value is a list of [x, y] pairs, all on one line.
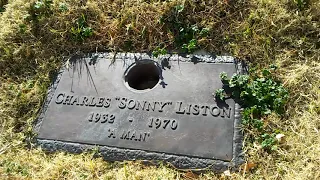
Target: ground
{"points": [[37, 37]]}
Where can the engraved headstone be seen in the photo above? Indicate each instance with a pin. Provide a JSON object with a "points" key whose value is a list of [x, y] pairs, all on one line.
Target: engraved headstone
{"points": [[144, 108]]}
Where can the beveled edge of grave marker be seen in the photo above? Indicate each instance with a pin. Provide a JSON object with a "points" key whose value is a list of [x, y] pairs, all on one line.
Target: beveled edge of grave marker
{"points": [[119, 154]]}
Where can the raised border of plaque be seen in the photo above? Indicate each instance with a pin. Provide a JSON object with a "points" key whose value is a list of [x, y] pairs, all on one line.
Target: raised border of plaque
{"points": [[119, 154]]}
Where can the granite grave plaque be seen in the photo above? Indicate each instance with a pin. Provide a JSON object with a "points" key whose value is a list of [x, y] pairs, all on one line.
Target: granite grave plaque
{"points": [[144, 108]]}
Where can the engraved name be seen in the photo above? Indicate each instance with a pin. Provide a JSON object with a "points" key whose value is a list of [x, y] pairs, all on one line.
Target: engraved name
{"points": [[66, 99], [132, 104], [197, 109], [143, 105]]}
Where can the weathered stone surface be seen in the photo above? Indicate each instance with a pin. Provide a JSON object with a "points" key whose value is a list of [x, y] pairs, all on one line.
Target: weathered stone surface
{"points": [[165, 113]]}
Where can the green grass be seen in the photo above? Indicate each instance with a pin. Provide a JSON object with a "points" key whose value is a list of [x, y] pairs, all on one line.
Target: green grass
{"points": [[35, 37]]}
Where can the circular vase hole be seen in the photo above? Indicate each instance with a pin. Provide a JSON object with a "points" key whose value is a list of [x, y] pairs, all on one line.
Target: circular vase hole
{"points": [[143, 75]]}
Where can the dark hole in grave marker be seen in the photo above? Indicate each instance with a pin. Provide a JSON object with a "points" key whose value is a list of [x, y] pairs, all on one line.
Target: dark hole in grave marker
{"points": [[143, 75]]}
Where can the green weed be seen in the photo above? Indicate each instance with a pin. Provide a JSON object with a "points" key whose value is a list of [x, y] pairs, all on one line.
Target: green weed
{"points": [[12, 167], [63, 7], [159, 51], [2, 5], [220, 94], [191, 46], [185, 33], [301, 4], [81, 30], [40, 9], [260, 95], [268, 141], [22, 28]]}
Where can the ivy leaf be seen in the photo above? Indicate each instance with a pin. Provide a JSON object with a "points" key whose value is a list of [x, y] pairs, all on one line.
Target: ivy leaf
{"points": [[220, 94], [38, 4], [204, 32], [179, 8], [266, 72], [194, 28], [224, 76]]}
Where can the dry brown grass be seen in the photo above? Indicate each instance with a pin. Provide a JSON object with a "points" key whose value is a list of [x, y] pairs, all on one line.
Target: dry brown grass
{"points": [[258, 31]]}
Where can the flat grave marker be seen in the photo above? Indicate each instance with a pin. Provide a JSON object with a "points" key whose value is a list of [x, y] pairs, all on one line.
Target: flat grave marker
{"points": [[144, 108]]}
